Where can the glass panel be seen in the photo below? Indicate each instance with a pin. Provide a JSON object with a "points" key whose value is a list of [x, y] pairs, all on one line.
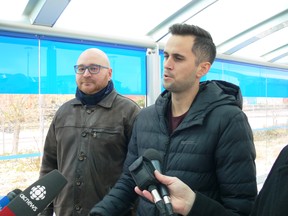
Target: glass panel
{"points": [[19, 65], [128, 67], [27, 109], [29, 101]]}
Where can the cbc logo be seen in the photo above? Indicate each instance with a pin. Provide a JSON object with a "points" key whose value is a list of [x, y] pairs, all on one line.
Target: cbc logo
{"points": [[38, 192]]}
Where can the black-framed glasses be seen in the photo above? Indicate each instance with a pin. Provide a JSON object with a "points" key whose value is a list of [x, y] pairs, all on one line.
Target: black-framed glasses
{"points": [[93, 69]]}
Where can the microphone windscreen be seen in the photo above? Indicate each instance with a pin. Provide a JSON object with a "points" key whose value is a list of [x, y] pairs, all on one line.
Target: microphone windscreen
{"points": [[3, 202], [11, 195], [38, 196], [7, 212], [152, 154]]}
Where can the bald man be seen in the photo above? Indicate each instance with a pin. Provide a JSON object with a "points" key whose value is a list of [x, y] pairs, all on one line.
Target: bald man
{"points": [[88, 137]]}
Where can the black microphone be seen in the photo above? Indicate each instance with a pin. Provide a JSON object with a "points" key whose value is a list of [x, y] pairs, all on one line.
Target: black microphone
{"points": [[156, 160], [9, 197], [142, 173], [37, 196]]}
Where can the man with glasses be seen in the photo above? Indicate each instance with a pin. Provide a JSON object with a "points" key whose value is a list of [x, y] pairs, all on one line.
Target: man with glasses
{"points": [[87, 139]]}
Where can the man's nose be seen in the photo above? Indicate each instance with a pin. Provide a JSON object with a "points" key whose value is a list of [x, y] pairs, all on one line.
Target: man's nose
{"points": [[86, 72]]}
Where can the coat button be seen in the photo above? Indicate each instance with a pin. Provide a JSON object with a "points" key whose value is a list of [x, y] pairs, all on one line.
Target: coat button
{"points": [[78, 183], [94, 134], [77, 207], [82, 156], [84, 134]]}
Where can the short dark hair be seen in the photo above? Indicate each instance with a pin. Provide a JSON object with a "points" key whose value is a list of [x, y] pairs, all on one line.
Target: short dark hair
{"points": [[203, 48]]}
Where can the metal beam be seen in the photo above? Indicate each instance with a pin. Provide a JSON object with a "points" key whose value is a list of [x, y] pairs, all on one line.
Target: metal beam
{"points": [[47, 12], [181, 16]]}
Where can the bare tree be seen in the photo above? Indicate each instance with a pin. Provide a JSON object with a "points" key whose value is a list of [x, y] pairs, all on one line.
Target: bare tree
{"points": [[16, 110]]}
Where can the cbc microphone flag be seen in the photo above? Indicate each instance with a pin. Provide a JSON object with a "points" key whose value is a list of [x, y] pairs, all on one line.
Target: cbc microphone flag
{"points": [[36, 197]]}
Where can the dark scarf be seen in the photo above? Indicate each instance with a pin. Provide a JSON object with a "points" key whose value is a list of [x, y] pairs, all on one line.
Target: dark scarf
{"points": [[94, 98]]}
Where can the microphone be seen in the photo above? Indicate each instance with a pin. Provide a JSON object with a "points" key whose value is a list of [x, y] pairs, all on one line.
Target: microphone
{"points": [[9, 197], [34, 199], [156, 160], [142, 173]]}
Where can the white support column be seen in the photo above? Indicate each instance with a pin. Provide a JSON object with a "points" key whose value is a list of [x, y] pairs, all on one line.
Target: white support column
{"points": [[153, 75]]}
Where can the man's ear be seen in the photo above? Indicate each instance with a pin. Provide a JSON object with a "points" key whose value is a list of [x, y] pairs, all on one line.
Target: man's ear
{"points": [[110, 73], [203, 69]]}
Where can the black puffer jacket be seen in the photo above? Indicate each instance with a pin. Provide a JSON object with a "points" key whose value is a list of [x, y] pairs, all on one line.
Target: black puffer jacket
{"points": [[212, 151], [272, 199]]}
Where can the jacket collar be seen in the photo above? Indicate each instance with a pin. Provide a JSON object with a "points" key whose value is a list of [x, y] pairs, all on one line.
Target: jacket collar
{"points": [[106, 102], [211, 95]]}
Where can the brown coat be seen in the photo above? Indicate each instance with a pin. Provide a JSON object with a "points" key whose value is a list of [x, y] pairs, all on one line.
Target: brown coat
{"points": [[88, 146]]}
